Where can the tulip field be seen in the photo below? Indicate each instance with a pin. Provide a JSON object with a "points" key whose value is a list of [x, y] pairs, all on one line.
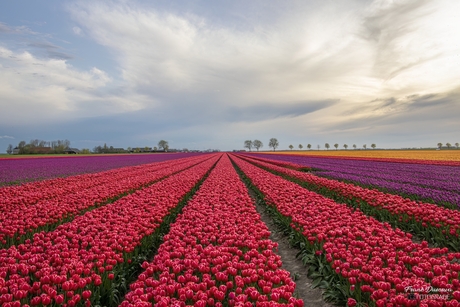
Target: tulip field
{"points": [[19, 169], [426, 180], [185, 230]]}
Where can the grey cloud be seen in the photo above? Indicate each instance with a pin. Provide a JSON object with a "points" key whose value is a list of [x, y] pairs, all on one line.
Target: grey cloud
{"points": [[4, 28], [436, 112], [14, 30], [267, 111], [59, 55], [44, 45], [51, 50]]}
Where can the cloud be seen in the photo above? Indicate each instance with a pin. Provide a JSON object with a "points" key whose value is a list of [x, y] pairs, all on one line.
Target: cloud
{"points": [[15, 30], [266, 112], [307, 68], [77, 31], [38, 90], [6, 137], [409, 117], [51, 50]]}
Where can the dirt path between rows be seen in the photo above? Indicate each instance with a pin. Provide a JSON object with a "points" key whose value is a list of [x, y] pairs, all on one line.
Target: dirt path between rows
{"points": [[311, 297]]}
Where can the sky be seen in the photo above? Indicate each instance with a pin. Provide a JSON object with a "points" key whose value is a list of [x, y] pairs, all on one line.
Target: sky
{"points": [[212, 74]]}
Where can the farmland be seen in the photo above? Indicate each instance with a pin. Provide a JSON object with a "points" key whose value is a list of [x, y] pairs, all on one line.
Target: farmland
{"points": [[185, 230], [406, 155]]}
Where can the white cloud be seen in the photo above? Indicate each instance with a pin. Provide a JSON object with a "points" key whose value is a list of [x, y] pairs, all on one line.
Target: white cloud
{"points": [[6, 137], [279, 66], [77, 31], [38, 90]]}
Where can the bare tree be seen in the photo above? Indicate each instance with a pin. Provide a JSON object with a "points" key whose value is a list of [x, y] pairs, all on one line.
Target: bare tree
{"points": [[273, 143], [9, 149], [456, 145], [248, 144], [257, 144], [163, 145], [364, 146]]}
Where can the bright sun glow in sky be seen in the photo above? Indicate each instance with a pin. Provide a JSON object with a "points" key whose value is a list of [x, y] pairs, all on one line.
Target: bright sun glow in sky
{"points": [[212, 74]]}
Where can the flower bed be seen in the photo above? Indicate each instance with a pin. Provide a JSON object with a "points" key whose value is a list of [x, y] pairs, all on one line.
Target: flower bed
{"points": [[371, 262], [25, 169], [439, 225], [89, 260], [82, 193], [217, 253], [437, 183]]}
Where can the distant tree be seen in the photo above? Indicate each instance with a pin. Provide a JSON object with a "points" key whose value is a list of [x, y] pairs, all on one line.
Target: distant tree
{"points": [[273, 143], [21, 146], [457, 145], [290, 146], [300, 146], [345, 146], [155, 148], [257, 144], [318, 146], [9, 149], [440, 145], [364, 146], [327, 146], [129, 149], [248, 144], [336, 146], [146, 148], [354, 146], [373, 146], [163, 145], [309, 146], [85, 151], [448, 145]]}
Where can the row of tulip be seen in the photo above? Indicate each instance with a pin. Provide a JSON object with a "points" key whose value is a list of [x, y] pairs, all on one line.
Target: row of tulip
{"points": [[374, 264], [217, 253], [425, 157], [48, 213], [30, 193], [436, 183], [446, 195], [438, 225], [282, 163], [28, 169], [86, 261]]}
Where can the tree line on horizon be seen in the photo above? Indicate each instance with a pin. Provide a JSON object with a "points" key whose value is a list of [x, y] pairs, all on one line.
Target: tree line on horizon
{"points": [[37, 146], [273, 143]]}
